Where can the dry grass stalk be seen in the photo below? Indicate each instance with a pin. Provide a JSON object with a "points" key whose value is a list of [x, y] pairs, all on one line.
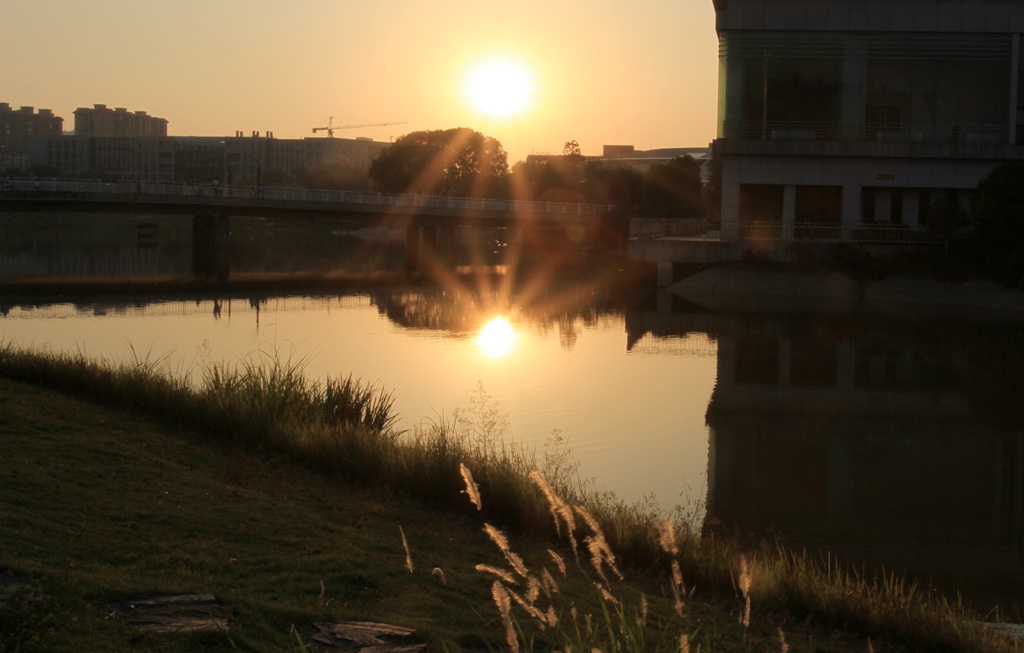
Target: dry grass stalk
{"points": [[405, 545], [552, 617], [606, 595], [559, 562], [783, 646], [600, 553], [472, 489], [504, 603], [548, 583], [684, 643], [589, 520], [437, 571], [532, 590], [596, 556], [560, 510], [502, 542], [678, 589], [667, 537], [500, 573], [529, 607], [745, 589]]}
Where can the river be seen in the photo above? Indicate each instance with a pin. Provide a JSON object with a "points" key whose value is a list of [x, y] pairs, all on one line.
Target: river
{"points": [[878, 436]]}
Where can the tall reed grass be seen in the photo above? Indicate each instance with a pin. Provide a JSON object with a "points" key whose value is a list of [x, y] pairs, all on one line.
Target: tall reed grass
{"points": [[537, 615], [348, 429], [535, 612]]}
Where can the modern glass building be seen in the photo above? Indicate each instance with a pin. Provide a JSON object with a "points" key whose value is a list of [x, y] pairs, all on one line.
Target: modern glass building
{"points": [[869, 120]]}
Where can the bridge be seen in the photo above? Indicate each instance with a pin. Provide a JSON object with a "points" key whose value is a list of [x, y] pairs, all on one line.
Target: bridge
{"points": [[272, 202], [211, 206]]}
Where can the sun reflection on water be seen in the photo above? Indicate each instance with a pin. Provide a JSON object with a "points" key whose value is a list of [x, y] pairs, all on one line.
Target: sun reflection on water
{"points": [[497, 338]]}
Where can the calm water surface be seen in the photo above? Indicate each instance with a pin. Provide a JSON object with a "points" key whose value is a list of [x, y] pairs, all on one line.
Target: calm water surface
{"points": [[886, 439], [634, 418]]}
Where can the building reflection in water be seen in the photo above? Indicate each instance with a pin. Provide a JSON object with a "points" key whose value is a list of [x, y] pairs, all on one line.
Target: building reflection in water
{"points": [[886, 442]]}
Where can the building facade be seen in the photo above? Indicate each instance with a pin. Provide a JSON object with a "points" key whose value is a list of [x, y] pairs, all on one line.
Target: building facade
{"points": [[99, 121], [19, 127], [12, 161], [132, 145], [258, 158], [870, 120]]}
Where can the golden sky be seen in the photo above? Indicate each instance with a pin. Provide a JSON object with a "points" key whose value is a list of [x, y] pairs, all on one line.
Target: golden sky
{"points": [[640, 73]]}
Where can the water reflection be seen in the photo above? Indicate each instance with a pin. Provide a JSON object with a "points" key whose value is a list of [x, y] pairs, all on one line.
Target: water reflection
{"points": [[497, 338], [151, 246], [40, 245], [463, 312], [892, 442]]}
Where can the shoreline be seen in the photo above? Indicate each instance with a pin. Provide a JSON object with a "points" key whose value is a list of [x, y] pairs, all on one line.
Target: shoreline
{"points": [[729, 287], [42, 289], [749, 287], [76, 287]]}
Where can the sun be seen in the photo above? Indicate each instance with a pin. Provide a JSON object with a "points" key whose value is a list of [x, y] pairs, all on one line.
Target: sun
{"points": [[499, 87], [497, 338]]}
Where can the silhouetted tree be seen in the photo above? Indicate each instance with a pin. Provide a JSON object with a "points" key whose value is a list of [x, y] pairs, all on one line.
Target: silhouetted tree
{"points": [[459, 162], [612, 184], [998, 217], [548, 179], [571, 179], [674, 188], [572, 150], [946, 214]]}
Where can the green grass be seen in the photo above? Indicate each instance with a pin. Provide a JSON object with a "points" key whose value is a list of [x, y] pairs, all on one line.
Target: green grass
{"points": [[101, 506], [257, 484]]}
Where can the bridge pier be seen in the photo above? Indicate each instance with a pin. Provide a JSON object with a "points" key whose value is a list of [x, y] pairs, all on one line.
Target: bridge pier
{"points": [[412, 247], [421, 253], [428, 246], [211, 246], [666, 271]]}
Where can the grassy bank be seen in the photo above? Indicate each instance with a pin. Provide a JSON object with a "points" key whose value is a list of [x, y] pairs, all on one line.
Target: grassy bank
{"points": [[257, 485]]}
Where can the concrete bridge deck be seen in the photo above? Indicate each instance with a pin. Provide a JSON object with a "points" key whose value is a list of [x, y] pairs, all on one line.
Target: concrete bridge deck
{"points": [[429, 221], [267, 201]]}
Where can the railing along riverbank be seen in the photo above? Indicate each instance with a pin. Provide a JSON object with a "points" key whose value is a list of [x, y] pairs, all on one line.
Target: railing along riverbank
{"points": [[273, 194], [702, 229]]}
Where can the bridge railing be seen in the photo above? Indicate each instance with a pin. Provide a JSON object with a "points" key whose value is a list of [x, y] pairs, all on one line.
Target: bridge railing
{"points": [[298, 195], [861, 233], [693, 228]]}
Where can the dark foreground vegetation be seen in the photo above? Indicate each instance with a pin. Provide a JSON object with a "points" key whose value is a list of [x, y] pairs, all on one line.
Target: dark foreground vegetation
{"points": [[296, 502]]}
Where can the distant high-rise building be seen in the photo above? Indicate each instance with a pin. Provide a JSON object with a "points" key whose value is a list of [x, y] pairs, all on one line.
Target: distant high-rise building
{"points": [[101, 121], [10, 160], [17, 127], [122, 144]]}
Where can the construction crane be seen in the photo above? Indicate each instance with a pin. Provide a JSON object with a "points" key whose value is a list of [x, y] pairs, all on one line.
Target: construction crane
{"points": [[330, 126]]}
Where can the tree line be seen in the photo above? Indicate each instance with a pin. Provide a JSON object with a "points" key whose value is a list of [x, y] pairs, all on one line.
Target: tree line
{"points": [[465, 163]]}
